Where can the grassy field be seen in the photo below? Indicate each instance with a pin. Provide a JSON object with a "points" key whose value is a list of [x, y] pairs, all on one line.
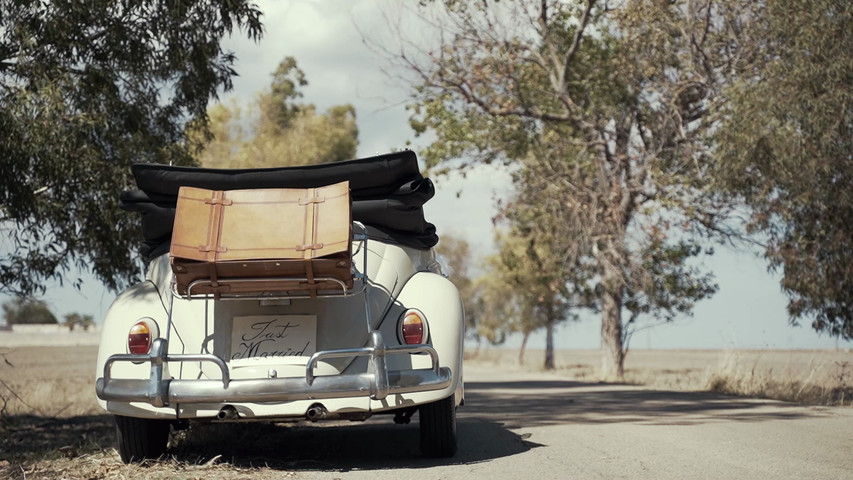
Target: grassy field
{"points": [[51, 426], [813, 377]]}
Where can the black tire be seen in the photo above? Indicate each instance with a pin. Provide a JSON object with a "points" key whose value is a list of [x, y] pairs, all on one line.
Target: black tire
{"points": [[141, 438], [438, 428]]}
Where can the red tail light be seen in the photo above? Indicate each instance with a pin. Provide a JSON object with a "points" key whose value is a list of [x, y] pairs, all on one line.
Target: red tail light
{"points": [[139, 338], [413, 328]]}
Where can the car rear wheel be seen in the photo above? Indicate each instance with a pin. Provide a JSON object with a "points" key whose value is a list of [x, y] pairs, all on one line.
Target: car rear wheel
{"points": [[438, 428], [141, 438]]}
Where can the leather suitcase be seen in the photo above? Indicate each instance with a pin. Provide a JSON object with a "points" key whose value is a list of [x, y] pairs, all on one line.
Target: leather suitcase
{"points": [[262, 241]]}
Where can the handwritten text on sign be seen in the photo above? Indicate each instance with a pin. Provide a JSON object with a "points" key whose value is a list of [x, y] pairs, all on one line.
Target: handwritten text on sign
{"points": [[265, 336]]}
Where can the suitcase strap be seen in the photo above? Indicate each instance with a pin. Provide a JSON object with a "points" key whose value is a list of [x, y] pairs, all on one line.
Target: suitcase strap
{"points": [[218, 202], [309, 274]]}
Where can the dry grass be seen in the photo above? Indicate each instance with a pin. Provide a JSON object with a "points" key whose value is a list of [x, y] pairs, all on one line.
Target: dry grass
{"points": [[51, 382], [812, 377], [826, 380], [52, 427]]}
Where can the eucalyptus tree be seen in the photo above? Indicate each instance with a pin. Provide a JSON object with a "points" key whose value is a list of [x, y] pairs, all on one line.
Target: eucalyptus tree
{"points": [[87, 89], [27, 310], [786, 148], [529, 291], [604, 106], [277, 129]]}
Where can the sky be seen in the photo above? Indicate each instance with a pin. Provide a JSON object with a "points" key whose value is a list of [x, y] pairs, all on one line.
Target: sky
{"points": [[748, 311]]}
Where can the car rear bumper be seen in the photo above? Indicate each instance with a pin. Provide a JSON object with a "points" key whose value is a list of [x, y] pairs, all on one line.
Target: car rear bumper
{"points": [[377, 383]]}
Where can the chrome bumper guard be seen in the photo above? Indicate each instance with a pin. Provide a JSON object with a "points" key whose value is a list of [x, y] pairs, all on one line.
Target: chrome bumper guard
{"points": [[377, 384]]}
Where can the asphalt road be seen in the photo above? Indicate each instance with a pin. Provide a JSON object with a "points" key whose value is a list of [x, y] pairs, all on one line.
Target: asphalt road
{"points": [[528, 425]]}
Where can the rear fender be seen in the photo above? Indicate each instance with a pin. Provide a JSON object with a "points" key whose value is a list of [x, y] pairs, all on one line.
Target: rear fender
{"points": [[138, 301], [438, 299]]}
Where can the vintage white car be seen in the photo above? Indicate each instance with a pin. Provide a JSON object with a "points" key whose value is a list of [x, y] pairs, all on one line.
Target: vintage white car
{"points": [[389, 342]]}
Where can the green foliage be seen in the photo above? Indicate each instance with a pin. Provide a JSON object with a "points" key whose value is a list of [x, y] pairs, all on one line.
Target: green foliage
{"points": [[785, 146], [538, 291], [27, 310], [87, 89], [456, 253], [276, 130], [665, 286], [74, 320], [525, 288], [498, 310], [284, 90], [515, 293]]}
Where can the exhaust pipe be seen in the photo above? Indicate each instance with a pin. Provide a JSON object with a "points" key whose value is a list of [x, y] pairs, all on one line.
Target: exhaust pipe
{"points": [[316, 412], [228, 412]]}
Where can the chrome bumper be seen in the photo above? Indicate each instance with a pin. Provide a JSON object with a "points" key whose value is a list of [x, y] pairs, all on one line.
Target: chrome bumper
{"points": [[377, 384]]}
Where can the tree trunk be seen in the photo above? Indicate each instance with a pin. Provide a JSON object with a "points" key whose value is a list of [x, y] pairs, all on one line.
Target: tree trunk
{"points": [[549, 345], [523, 347], [612, 355]]}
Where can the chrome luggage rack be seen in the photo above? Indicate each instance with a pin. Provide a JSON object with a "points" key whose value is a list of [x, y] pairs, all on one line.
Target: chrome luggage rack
{"points": [[359, 277]]}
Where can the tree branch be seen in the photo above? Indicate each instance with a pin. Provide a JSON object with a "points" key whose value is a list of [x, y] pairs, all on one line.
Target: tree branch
{"points": [[576, 41]]}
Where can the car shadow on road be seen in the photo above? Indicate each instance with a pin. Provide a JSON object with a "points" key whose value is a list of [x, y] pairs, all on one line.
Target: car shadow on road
{"points": [[26, 436], [377, 444], [550, 402]]}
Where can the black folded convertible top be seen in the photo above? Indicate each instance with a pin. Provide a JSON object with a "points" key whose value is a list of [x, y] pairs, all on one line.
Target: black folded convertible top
{"points": [[388, 193]]}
